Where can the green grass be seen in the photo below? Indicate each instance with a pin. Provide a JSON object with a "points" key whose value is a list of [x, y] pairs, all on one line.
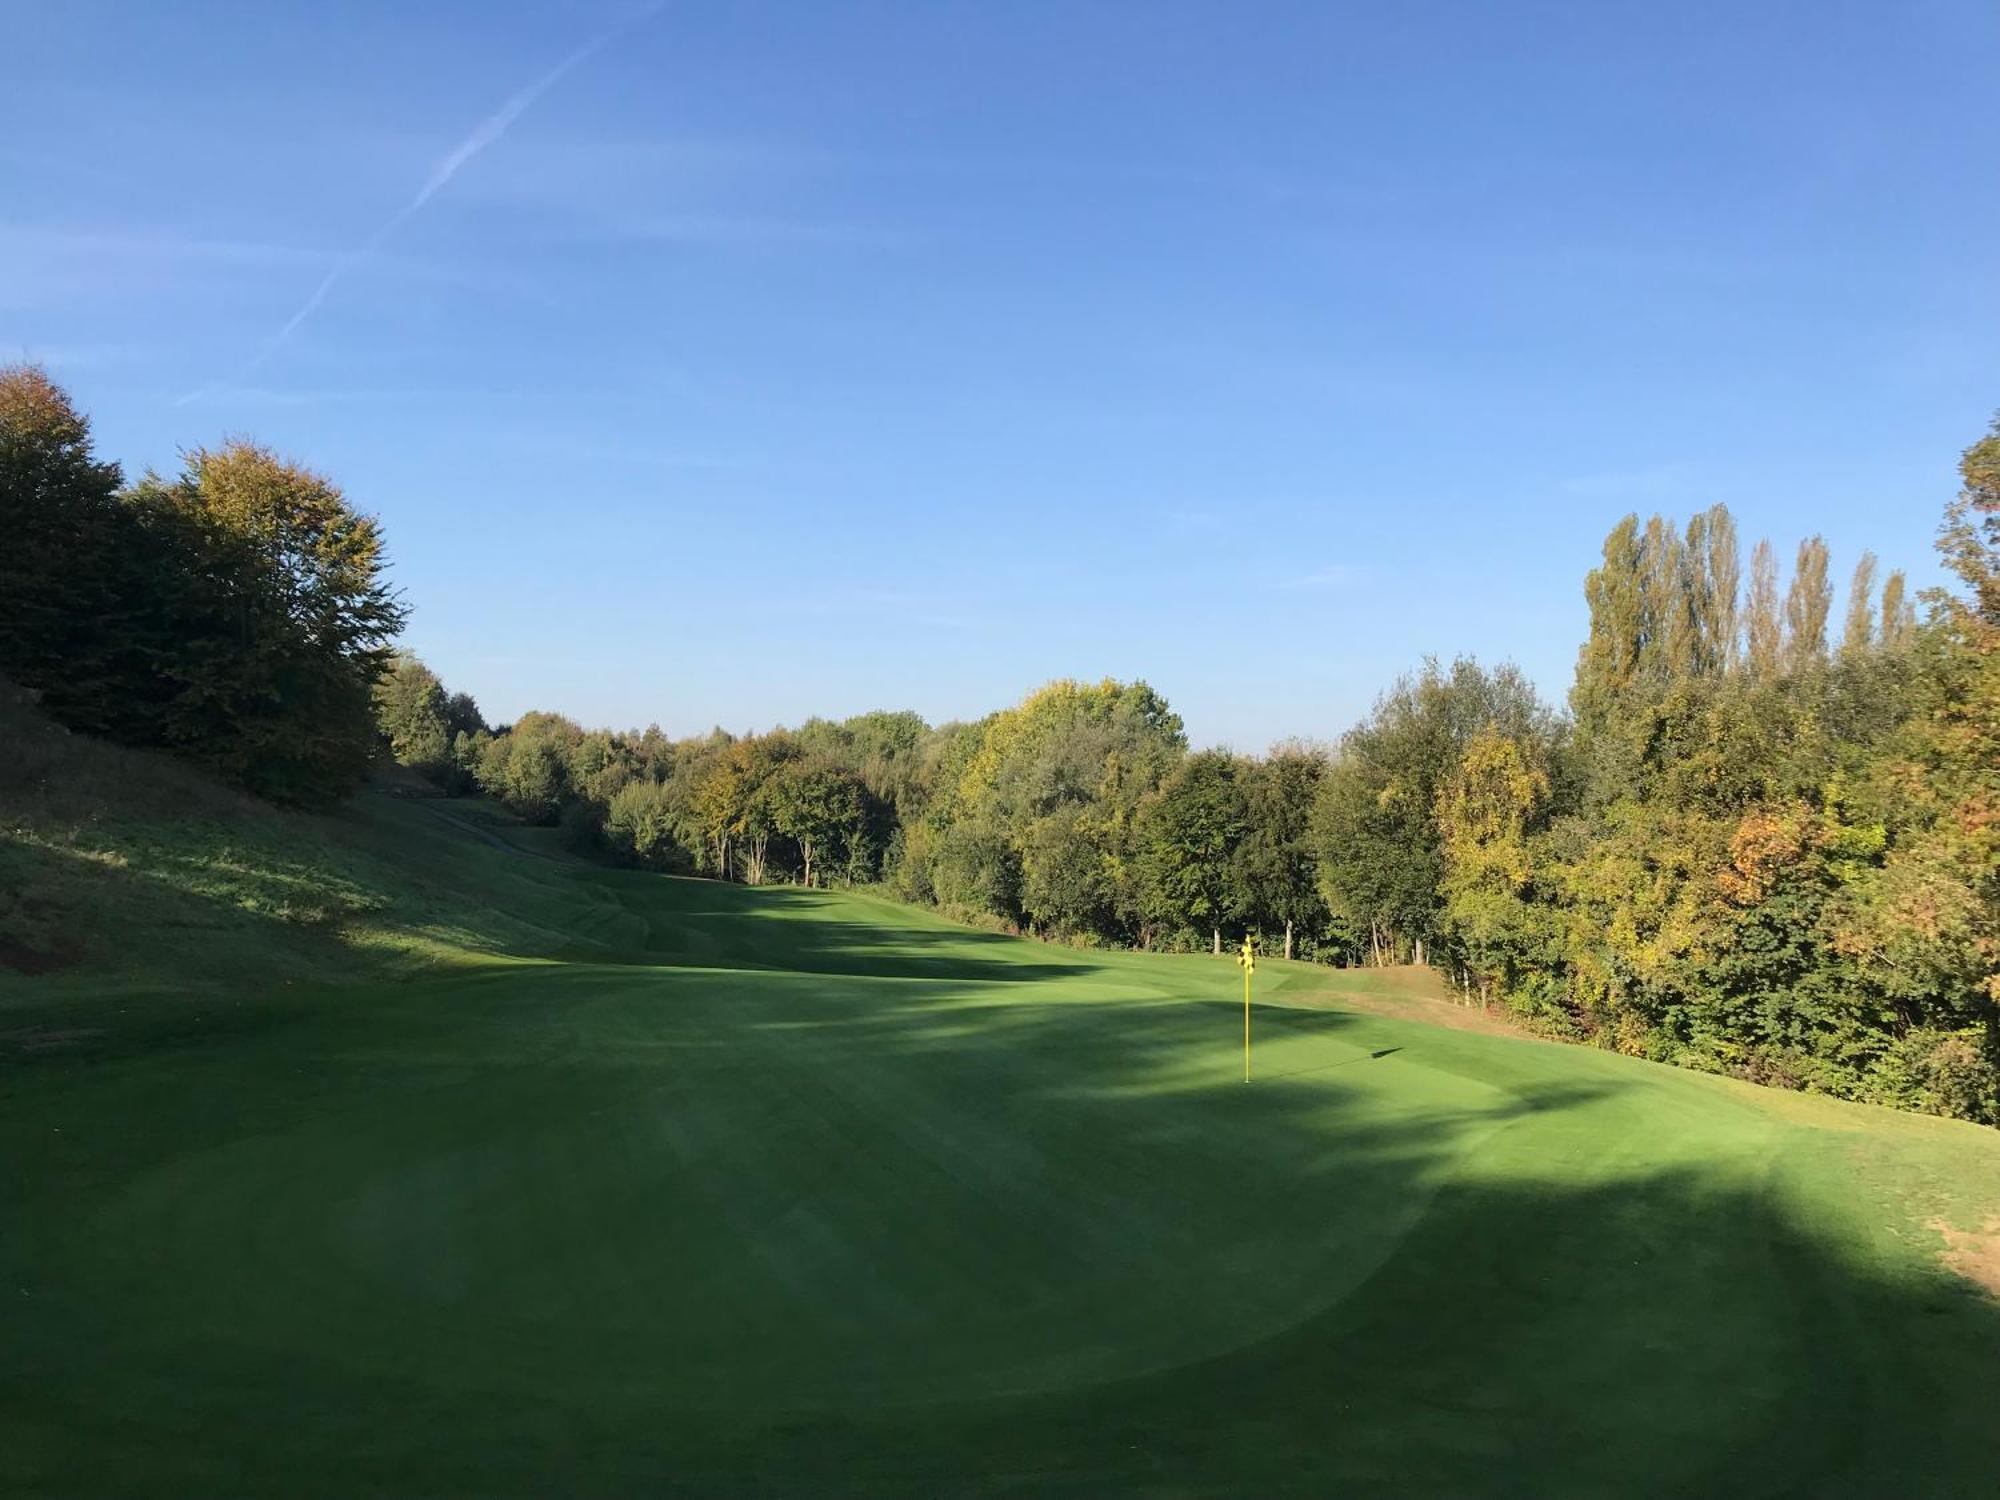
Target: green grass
{"points": [[517, 1176]]}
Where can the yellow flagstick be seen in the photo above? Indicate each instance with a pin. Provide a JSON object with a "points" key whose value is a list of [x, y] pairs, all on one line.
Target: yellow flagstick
{"points": [[1248, 960]]}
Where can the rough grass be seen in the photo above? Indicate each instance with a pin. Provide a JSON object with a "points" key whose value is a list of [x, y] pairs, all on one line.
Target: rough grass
{"points": [[128, 872], [359, 1155]]}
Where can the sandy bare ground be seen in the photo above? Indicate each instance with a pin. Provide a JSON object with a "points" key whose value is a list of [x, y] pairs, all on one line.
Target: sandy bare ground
{"points": [[1403, 992]]}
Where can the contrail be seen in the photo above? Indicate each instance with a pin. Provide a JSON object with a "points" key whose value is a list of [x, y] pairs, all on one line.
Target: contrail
{"points": [[484, 134]]}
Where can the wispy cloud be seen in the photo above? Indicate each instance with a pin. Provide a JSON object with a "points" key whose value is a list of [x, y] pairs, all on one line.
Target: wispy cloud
{"points": [[482, 135]]}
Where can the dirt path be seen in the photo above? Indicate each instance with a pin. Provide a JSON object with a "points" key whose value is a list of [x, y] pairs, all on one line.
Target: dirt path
{"points": [[1401, 992], [486, 835]]}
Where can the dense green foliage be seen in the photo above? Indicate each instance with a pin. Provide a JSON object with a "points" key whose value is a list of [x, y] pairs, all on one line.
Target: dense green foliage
{"points": [[235, 614], [355, 1155], [1077, 815], [422, 726]]}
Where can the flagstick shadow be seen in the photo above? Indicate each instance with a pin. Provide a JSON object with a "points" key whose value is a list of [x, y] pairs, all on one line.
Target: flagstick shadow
{"points": [[1328, 1067]]}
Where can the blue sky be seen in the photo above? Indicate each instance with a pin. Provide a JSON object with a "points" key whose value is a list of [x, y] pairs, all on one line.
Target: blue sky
{"points": [[732, 363]]}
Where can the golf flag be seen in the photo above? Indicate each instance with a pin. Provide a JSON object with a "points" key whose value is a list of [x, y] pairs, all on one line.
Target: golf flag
{"points": [[1247, 961]]}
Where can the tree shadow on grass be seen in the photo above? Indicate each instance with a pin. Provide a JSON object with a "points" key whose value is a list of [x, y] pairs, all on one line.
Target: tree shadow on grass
{"points": [[1671, 1331], [1540, 1342], [719, 924], [928, 1275]]}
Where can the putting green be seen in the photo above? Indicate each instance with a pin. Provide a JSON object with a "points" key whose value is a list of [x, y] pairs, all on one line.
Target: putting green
{"points": [[810, 1193]]}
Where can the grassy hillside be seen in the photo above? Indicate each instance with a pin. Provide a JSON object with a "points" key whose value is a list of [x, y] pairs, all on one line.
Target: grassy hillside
{"points": [[125, 872], [369, 1154]]}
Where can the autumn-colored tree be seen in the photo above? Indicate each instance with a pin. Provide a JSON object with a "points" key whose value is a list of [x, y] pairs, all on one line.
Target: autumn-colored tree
{"points": [[1485, 813], [720, 793], [1969, 538], [276, 624]]}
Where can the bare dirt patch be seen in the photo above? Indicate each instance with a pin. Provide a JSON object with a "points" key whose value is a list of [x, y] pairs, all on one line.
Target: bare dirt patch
{"points": [[23, 959], [1973, 1253], [1403, 992]]}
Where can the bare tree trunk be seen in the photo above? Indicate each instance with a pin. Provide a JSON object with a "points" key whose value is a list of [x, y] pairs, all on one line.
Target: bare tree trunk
{"points": [[1420, 953], [1217, 948], [1288, 940]]}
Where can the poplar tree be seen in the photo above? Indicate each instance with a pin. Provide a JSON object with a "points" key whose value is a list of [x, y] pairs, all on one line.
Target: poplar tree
{"points": [[1763, 629], [1666, 646], [1609, 659], [1899, 616], [1723, 582], [1807, 605], [1858, 636]]}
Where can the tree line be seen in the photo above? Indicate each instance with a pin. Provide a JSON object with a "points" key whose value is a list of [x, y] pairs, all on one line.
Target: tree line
{"points": [[1078, 815], [235, 613], [1758, 839]]}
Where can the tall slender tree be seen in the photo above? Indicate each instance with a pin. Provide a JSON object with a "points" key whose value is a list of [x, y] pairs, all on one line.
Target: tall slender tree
{"points": [[1808, 603], [1899, 616], [1667, 628], [1763, 626], [1609, 659], [1720, 602], [1857, 637]]}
